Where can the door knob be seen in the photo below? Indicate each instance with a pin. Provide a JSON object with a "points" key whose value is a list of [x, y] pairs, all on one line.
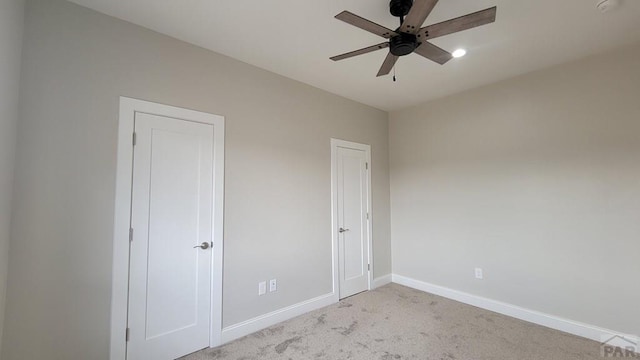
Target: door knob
{"points": [[203, 246], [343, 230]]}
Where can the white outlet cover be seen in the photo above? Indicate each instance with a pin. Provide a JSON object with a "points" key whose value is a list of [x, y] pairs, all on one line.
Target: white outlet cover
{"points": [[273, 285], [479, 274], [262, 288]]}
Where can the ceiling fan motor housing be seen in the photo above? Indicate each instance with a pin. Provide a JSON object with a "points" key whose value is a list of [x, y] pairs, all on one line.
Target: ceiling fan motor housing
{"points": [[400, 7], [403, 44]]}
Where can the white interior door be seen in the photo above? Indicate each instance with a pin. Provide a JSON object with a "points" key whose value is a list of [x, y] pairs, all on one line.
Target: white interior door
{"points": [[352, 200], [170, 252]]}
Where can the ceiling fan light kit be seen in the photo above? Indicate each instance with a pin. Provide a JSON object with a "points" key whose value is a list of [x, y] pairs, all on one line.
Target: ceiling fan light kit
{"points": [[410, 37]]}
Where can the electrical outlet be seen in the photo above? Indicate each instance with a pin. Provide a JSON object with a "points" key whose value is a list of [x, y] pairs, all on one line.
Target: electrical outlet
{"points": [[479, 274], [262, 288], [273, 285]]}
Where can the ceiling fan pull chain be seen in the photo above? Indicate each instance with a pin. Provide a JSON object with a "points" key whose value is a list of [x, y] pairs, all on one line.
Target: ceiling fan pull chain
{"points": [[394, 74]]}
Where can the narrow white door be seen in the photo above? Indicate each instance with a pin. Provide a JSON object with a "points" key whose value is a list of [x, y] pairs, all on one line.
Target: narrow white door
{"points": [[352, 224], [170, 255]]}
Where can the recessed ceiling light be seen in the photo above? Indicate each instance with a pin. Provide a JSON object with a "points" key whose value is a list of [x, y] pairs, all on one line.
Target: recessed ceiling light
{"points": [[459, 53]]}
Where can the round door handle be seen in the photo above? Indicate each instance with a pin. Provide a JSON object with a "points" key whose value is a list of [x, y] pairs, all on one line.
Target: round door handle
{"points": [[204, 246], [343, 230]]}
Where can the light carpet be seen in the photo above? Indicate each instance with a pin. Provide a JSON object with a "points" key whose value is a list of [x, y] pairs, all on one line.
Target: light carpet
{"points": [[396, 323]]}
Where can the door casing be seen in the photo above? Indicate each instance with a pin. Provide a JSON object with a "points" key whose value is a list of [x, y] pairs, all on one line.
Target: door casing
{"points": [[335, 144], [122, 216]]}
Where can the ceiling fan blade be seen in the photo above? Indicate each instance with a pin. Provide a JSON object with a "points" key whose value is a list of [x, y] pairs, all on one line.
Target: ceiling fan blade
{"points": [[360, 52], [364, 24], [417, 15], [433, 53], [483, 17], [388, 64]]}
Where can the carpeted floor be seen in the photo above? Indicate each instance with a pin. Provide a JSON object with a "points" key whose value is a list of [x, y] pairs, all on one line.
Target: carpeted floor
{"points": [[397, 323]]}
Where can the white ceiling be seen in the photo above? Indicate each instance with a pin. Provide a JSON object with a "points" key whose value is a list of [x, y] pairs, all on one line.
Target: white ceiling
{"points": [[295, 38]]}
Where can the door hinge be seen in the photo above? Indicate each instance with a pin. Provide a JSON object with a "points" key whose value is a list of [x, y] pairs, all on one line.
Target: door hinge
{"points": [[366, 165], [127, 335], [134, 139], [369, 267], [367, 216], [130, 234]]}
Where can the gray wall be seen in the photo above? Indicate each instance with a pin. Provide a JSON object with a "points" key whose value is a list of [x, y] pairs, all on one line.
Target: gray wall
{"points": [[536, 180], [277, 197], [11, 23]]}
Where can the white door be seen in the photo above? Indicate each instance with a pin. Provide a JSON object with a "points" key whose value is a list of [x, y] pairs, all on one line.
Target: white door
{"points": [[170, 252], [351, 212]]}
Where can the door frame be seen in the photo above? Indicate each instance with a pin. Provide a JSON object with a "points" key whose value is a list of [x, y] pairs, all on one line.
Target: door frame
{"points": [[335, 144], [122, 217]]}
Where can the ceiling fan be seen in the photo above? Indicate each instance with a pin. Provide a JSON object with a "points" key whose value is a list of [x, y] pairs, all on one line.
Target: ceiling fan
{"points": [[410, 37]]}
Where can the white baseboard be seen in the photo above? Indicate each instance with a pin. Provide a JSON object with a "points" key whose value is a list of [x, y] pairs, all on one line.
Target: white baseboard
{"points": [[264, 321], [592, 332], [381, 281], [554, 322]]}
